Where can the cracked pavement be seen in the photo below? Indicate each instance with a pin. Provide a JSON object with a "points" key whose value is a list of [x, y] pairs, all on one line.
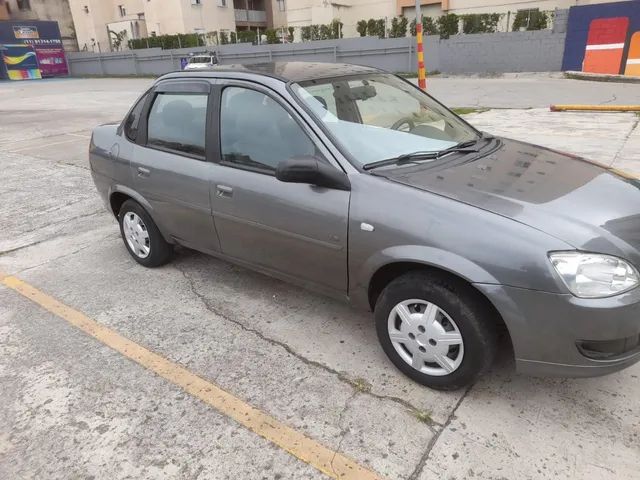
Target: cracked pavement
{"points": [[72, 408]]}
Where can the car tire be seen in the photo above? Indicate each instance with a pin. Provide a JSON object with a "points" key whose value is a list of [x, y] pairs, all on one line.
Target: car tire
{"points": [[141, 236], [419, 317]]}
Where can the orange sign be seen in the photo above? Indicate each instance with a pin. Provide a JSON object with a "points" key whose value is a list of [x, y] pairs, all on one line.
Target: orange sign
{"points": [[633, 58]]}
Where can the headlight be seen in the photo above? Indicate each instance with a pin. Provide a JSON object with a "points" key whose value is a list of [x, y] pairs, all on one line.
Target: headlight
{"points": [[593, 275]]}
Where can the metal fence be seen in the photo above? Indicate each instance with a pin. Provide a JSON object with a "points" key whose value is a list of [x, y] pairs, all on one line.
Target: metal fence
{"points": [[532, 51]]}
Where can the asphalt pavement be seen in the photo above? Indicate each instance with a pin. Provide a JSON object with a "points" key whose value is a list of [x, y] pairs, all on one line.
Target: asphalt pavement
{"points": [[74, 406]]}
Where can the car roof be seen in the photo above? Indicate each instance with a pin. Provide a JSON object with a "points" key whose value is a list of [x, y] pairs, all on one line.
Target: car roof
{"points": [[285, 71]]}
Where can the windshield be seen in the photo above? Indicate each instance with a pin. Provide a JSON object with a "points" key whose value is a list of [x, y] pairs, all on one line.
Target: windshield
{"points": [[200, 60], [376, 117]]}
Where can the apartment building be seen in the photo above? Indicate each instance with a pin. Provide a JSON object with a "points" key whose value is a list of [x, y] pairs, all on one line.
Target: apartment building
{"points": [[301, 13], [54, 10], [4, 11], [100, 22]]}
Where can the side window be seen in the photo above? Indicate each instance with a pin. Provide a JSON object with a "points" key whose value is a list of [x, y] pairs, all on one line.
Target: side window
{"points": [[131, 125], [256, 131], [178, 121]]}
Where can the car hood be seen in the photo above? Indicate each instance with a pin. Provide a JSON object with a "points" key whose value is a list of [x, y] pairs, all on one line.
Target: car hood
{"points": [[582, 203]]}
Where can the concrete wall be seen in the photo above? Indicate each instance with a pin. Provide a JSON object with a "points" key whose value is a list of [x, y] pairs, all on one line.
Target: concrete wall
{"points": [[482, 53]]}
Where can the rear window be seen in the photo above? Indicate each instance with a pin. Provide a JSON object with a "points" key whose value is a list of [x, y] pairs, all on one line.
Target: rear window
{"points": [[177, 121], [200, 60]]}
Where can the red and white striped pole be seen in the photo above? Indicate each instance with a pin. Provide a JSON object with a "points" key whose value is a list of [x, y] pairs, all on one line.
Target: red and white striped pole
{"points": [[422, 75]]}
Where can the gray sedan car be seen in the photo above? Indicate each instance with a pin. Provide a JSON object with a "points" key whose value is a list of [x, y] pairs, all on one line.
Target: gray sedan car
{"points": [[354, 183]]}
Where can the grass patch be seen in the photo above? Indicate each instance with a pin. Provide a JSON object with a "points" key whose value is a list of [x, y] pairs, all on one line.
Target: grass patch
{"points": [[468, 110], [423, 416], [415, 74], [361, 385]]}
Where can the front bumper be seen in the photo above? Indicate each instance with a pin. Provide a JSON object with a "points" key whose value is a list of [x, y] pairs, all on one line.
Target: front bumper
{"points": [[549, 330]]}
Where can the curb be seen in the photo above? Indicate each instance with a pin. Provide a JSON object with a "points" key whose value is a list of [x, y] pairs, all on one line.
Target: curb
{"points": [[595, 108], [601, 77]]}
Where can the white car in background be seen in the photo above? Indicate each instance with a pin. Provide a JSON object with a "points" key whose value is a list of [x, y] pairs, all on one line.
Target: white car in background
{"points": [[201, 60]]}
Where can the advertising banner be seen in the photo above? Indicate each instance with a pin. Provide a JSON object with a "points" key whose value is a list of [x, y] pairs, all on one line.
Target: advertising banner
{"points": [[31, 49]]}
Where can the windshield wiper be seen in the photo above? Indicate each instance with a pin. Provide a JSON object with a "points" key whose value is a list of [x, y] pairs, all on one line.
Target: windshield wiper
{"points": [[462, 147]]}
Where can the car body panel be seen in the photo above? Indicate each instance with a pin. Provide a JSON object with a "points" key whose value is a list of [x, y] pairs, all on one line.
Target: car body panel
{"points": [[491, 221], [546, 190]]}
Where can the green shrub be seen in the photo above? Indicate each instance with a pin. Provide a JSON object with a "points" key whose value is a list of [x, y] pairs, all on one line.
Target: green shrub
{"points": [[362, 28], [247, 36], [429, 27], [530, 20], [480, 22], [448, 25], [272, 36], [398, 27]]}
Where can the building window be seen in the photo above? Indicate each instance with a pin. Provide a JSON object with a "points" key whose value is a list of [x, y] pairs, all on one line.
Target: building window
{"points": [[24, 5], [196, 2], [122, 10], [281, 5], [222, 3]]}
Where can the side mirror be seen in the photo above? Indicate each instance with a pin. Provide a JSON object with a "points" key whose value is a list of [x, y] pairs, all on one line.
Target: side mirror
{"points": [[313, 171]]}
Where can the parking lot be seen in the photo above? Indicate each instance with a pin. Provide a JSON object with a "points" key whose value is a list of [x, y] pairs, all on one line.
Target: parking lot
{"points": [[73, 406]]}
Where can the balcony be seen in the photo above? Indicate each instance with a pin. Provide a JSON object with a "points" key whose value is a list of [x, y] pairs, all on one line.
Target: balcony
{"points": [[251, 16]]}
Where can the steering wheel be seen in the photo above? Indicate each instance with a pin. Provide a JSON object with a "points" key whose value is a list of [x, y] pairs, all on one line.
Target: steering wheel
{"points": [[403, 121]]}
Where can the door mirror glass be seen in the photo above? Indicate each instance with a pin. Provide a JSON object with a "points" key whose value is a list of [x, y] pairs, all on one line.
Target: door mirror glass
{"points": [[313, 171]]}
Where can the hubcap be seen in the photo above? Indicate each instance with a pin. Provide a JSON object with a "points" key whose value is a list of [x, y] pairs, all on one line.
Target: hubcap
{"points": [[426, 337], [136, 235]]}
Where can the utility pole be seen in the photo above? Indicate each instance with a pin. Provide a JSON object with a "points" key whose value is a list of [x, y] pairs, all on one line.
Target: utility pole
{"points": [[422, 77]]}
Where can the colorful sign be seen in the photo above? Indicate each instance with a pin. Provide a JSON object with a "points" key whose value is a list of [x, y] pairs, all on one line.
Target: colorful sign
{"points": [[21, 62], [30, 50], [52, 61], [25, 32], [604, 38], [633, 58]]}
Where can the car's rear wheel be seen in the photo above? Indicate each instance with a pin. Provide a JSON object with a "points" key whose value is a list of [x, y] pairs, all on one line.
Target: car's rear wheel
{"points": [[436, 329], [142, 237]]}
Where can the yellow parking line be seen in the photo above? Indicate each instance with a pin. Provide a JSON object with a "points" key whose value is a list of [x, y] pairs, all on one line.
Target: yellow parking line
{"points": [[328, 461]]}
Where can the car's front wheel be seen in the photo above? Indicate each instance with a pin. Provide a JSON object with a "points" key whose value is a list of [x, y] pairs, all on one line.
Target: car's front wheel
{"points": [[142, 237], [435, 329]]}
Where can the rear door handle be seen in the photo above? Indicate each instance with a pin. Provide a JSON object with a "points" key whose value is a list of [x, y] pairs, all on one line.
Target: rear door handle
{"points": [[224, 191], [143, 172]]}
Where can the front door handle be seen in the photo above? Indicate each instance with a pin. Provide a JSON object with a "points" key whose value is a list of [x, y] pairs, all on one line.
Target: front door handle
{"points": [[224, 191], [143, 172]]}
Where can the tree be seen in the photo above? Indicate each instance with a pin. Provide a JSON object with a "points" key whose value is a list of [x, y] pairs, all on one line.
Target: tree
{"points": [[292, 31], [315, 32], [362, 28], [381, 28], [272, 36], [372, 27], [224, 38], [532, 19], [429, 27], [398, 27], [324, 32], [480, 22], [448, 25], [247, 36], [117, 38], [305, 33], [336, 28]]}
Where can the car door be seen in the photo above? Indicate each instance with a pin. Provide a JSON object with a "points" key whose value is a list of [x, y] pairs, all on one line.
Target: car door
{"points": [[169, 164], [296, 230]]}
